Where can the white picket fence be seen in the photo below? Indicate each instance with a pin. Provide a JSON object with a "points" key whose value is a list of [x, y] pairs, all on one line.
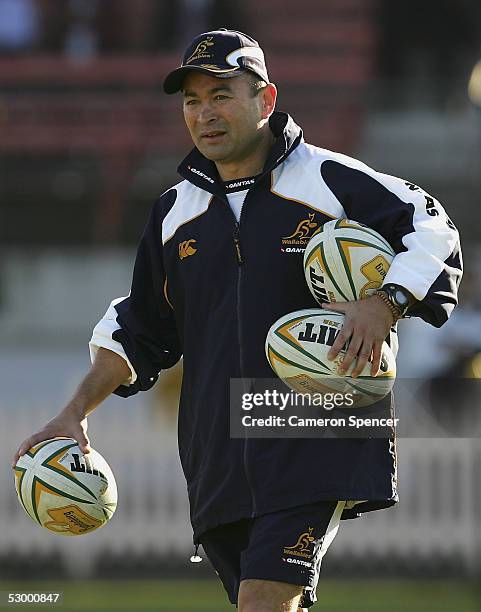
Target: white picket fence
{"points": [[439, 513]]}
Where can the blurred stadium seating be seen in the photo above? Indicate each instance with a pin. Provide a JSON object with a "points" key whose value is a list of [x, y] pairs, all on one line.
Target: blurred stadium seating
{"points": [[112, 108]]}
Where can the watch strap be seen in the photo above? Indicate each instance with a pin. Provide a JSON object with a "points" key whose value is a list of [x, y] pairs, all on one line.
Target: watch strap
{"points": [[396, 313]]}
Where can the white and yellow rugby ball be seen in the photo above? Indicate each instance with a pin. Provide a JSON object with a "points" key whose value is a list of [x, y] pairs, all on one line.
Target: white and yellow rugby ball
{"points": [[64, 490], [346, 261], [297, 346]]}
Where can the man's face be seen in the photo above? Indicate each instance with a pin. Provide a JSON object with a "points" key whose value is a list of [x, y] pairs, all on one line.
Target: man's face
{"points": [[224, 116]]}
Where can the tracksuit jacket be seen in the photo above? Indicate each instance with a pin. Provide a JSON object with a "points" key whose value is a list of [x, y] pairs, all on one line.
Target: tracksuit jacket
{"points": [[208, 287]]}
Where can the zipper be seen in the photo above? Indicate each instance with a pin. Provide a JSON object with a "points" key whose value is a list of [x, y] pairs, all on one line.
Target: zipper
{"points": [[240, 261], [237, 246]]}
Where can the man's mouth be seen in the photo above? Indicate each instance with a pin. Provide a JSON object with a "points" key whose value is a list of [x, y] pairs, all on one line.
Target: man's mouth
{"points": [[213, 135]]}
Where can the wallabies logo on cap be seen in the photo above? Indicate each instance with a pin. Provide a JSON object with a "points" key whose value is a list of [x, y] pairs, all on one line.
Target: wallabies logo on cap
{"points": [[201, 50]]}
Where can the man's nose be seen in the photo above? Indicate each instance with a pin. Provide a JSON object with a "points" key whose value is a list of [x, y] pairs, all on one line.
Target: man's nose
{"points": [[207, 113]]}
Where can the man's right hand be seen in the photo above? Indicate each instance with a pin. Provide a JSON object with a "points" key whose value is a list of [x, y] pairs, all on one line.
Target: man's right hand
{"points": [[66, 424]]}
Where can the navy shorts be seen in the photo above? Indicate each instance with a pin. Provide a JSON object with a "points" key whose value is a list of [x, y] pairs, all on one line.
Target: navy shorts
{"points": [[285, 546]]}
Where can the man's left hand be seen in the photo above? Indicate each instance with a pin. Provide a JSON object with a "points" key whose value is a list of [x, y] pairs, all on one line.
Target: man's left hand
{"points": [[367, 323]]}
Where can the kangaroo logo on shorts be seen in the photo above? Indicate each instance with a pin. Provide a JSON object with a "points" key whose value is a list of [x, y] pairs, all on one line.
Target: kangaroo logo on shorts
{"points": [[301, 547]]}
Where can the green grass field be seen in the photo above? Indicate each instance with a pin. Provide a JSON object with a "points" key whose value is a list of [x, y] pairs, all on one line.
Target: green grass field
{"points": [[190, 596]]}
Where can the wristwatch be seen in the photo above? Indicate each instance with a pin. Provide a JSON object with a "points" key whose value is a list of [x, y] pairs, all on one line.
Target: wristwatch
{"points": [[397, 299]]}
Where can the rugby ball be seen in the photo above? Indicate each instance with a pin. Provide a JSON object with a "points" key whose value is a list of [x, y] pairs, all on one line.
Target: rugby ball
{"points": [[64, 490], [346, 261], [297, 346]]}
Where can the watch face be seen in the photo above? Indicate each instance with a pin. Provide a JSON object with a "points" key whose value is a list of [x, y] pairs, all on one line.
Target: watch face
{"points": [[401, 298]]}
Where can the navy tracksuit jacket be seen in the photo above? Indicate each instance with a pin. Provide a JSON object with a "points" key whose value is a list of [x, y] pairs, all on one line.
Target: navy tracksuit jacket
{"points": [[208, 288]]}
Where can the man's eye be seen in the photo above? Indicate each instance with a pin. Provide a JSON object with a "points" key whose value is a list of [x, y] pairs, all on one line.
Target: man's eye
{"points": [[190, 102], [221, 97]]}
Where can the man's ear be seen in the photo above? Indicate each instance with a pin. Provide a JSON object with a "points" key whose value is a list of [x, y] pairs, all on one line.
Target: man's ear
{"points": [[269, 97]]}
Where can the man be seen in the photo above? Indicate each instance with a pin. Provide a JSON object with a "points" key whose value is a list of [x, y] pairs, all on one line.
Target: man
{"points": [[211, 276]]}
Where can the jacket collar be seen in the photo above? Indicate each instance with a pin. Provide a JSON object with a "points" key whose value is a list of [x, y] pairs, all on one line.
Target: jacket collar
{"points": [[202, 172]]}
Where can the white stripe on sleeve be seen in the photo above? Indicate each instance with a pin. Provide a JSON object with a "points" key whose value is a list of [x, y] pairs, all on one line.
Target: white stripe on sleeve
{"points": [[102, 338], [428, 247]]}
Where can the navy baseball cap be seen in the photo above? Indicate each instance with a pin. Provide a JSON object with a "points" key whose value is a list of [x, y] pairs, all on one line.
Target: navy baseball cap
{"points": [[220, 53]]}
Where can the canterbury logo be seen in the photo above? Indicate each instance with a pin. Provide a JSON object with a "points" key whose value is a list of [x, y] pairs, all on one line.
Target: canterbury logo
{"points": [[305, 228], [200, 50], [303, 542], [186, 248]]}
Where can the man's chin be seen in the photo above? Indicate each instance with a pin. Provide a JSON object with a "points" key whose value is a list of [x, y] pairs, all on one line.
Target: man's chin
{"points": [[211, 154]]}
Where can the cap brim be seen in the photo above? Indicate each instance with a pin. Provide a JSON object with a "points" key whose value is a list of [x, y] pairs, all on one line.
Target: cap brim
{"points": [[174, 80]]}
